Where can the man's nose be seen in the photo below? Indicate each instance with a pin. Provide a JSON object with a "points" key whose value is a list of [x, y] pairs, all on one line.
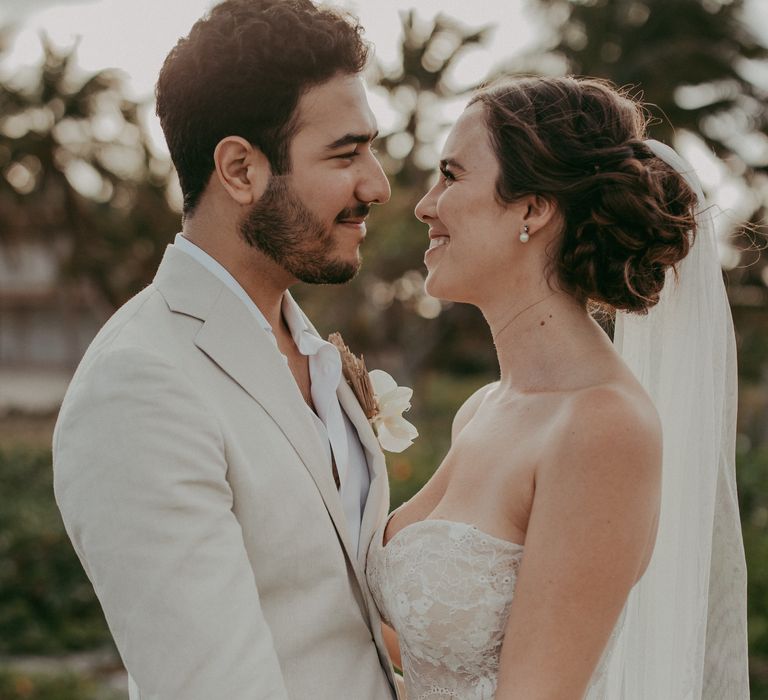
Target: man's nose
{"points": [[375, 187]]}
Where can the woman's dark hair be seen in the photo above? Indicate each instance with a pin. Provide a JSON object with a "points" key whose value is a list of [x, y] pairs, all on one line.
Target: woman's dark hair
{"points": [[241, 72], [627, 215]]}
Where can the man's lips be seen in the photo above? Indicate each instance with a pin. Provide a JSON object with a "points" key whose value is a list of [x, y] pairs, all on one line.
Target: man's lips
{"points": [[355, 226], [353, 222]]}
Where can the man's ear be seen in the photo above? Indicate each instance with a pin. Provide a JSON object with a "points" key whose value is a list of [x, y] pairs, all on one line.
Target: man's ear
{"points": [[242, 169]]}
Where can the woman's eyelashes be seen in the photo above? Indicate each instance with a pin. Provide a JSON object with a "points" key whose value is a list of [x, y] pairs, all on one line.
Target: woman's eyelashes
{"points": [[446, 175]]}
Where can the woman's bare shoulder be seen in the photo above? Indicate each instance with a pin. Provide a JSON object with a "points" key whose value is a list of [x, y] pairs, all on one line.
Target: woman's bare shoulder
{"points": [[613, 424], [469, 408]]}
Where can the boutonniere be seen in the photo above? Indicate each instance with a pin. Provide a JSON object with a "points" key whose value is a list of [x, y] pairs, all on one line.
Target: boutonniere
{"points": [[382, 401]]}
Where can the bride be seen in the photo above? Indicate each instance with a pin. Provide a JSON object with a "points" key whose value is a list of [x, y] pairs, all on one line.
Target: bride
{"points": [[581, 537]]}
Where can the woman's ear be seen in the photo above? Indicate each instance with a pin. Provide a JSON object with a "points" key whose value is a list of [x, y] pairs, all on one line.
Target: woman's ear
{"points": [[242, 169], [541, 212]]}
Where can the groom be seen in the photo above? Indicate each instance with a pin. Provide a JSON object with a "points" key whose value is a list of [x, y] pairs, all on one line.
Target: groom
{"points": [[218, 478]]}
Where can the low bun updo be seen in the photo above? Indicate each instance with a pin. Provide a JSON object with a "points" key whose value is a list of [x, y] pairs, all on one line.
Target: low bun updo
{"points": [[627, 216]]}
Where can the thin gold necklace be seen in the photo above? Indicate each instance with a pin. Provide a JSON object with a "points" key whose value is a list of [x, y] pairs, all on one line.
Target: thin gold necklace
{"points": [[509, 323]]}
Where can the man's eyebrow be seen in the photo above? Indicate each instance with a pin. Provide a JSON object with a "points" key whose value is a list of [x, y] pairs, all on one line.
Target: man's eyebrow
{"points": [[349, 139], [450, 162]]}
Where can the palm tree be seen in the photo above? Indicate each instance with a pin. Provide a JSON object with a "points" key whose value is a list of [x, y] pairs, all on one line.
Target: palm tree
{"points": [[80, 177]]}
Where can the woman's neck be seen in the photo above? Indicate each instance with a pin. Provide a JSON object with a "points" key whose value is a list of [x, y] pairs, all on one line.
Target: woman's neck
{"points": [[541, 340]]}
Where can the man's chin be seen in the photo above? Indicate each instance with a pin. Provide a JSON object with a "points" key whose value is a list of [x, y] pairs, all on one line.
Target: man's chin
{"points": [[333, 273]]}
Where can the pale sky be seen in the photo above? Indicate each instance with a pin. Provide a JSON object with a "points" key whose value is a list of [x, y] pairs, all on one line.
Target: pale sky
{"points": [[136, 35]]}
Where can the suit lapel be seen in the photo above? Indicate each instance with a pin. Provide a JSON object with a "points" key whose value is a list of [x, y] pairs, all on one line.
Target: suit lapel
{"points": [[378, 494], [232, 339]]}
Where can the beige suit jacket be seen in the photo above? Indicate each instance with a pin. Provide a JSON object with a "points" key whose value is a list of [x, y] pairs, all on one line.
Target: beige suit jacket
{"points": [[196, 491]]}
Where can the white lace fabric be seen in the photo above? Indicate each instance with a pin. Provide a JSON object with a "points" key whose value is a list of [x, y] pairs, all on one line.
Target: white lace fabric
{"points": [[446, 588]]}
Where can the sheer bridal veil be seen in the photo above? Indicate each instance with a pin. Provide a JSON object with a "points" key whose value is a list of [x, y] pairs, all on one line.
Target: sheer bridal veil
{"points": [[684, 635]]}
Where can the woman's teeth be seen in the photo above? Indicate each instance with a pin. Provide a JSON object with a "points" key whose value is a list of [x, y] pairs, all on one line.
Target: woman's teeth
{"points": [[437, 241]]}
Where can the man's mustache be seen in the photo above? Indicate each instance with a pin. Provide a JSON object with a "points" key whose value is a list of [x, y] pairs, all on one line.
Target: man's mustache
{"points": [[359, 211]]}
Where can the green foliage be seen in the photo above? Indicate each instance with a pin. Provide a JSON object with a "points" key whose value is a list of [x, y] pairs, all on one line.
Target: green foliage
{"points": [[436, 399], [753, 476], [22, 686], [47, 604], [756, 546], [752, 335]]}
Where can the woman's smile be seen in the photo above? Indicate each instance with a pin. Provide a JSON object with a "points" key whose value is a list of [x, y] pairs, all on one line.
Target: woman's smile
{"points": [[436, 240]]}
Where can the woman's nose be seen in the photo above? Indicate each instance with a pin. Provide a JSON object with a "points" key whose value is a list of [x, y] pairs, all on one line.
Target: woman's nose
{"points": [[425, 209]]}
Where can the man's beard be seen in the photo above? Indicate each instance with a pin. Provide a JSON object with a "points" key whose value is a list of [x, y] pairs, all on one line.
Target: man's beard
{"points": [[282, 228]]}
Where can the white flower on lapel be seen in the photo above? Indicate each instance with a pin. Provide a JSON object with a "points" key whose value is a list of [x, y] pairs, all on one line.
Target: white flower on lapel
{"points": [[395, 433], [382, 401]]}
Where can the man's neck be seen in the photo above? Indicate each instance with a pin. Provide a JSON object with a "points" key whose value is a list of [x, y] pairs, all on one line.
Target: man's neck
{"points": [[263, 280]]}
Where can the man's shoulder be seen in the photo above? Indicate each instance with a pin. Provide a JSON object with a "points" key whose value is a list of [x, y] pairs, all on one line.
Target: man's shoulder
{"points": [[132, 322], [140, 331]]}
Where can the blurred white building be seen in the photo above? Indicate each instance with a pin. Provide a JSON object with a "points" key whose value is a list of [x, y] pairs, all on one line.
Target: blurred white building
{"points": [[45, 326]]}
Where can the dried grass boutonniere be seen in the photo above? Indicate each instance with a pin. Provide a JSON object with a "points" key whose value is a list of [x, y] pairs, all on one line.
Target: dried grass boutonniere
{"points": [[382, 401]]}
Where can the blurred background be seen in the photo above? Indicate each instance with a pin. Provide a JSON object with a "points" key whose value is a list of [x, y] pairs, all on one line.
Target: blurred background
{"points": [[89, 200]]}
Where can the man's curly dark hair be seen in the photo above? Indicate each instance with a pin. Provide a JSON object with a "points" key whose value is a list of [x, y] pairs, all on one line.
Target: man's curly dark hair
{"points": [[240, 72]]}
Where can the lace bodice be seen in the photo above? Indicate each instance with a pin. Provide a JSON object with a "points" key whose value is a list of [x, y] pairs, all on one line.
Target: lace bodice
{"points": [[446, 588]]}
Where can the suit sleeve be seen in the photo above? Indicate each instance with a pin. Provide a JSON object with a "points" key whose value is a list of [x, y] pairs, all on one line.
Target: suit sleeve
{"points": [[140, 479]]}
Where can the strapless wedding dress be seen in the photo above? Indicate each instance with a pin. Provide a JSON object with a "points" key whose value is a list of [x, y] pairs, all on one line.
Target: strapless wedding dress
{"points": [[446, 588]]}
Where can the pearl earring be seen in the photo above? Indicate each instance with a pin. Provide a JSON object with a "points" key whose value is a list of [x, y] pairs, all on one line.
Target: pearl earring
{"points": [[524, 235]]}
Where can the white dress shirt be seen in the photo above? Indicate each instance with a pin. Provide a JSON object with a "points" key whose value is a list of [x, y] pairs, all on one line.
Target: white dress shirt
{"points": [[336, 431]]}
